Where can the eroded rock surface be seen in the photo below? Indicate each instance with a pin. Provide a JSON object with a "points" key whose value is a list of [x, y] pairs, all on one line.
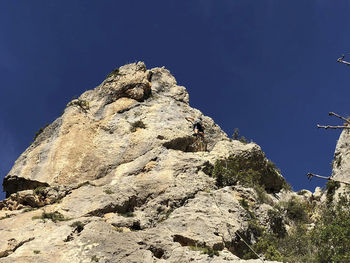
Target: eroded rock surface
{"points": [[119, 177], [341, 162]]}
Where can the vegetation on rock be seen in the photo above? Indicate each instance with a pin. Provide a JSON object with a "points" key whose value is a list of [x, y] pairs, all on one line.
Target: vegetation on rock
{"points": [[327, 240], [54, 216], [236, 136], [40, 131], [137, 124], [331, 187], [249, 171], [83, 104], [114, 73], [205, 250]]}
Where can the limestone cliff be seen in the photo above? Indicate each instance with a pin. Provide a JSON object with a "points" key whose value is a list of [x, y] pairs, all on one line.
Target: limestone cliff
{"points": [[120, 177], [341, 162]]}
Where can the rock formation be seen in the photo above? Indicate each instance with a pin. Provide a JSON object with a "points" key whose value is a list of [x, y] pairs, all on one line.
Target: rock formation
{"points": [[120, 177], [341, 162]]}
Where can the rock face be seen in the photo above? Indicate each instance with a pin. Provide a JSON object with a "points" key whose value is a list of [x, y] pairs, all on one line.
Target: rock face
{"points": [[341, 162], [120, 177]]}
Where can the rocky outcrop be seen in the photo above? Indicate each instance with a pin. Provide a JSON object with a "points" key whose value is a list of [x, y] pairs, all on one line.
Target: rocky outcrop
{"points": [[119, 177], [341, 161]]}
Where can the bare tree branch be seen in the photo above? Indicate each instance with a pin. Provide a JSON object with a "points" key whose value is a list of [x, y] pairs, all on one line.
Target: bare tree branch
{"points": [[310, 175], [332, 127], [340, 117], [340, 60]]}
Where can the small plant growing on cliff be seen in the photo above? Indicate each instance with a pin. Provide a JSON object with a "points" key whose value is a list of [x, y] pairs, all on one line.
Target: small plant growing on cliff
{"points": [[40, 131], [252, 171], [28, 210], [94, 258], [205, 250], [83, 104], [39, 190], [297, 210], [276, 223], [108, 191], [244, 203], [236, 135], [36, 251], [137, 124], [332, 232], [331, 187], [54, 216], [114, 73], [118, 229], [262, 196]]}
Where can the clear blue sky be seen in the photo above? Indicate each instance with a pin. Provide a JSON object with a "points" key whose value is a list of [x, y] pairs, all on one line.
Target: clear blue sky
{"points": [[267, 67]]}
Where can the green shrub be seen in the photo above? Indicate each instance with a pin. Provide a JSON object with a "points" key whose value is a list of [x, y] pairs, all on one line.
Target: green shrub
{"points": [[244, 204], [332, 232], [255, 228], [276, 223], [235, 170], [83, 104], [114, 73], [118, 229], [248, 171], [243, 140], [108, 191], [40, 190], [28, 210], [40, 131], [267, 246], [235, 134], [295, 247], [331, 187], [328, 241], [36, 251], [54, 216], [297, 210], [137, 124], [262, 196], [205, 250]]}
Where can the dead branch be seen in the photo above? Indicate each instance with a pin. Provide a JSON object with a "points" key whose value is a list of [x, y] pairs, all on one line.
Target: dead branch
{"points": [[340, 117], [332, 127], [310, 175], [340, 60]]}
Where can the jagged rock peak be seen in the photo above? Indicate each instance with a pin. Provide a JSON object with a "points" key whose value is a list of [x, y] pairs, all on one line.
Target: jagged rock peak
{"points": [[132, 112], [123, 165]]}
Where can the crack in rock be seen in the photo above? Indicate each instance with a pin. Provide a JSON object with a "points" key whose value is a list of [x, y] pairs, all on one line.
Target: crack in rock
{"points": [[12, 246]]}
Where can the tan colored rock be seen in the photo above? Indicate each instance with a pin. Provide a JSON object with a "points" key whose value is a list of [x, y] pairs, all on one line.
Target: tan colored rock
{"points": [[341, 163], [119, 177]]}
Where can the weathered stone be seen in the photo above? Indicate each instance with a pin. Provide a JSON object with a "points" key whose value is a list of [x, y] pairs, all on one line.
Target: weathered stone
{"points": [[122, 178]]}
